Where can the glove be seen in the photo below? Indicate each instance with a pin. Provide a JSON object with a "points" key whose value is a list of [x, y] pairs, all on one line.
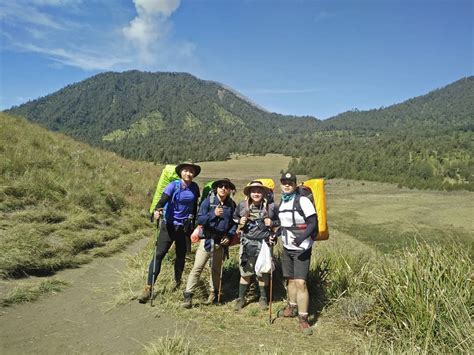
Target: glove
{"points": [[298, 240]]}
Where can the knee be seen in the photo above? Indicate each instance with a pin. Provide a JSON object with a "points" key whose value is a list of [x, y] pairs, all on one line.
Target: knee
{"points": [[300, 284]]}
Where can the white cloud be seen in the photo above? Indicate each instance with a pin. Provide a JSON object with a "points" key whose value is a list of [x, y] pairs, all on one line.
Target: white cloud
{"points": [[88, 35], [150, 25], [77, 58]]}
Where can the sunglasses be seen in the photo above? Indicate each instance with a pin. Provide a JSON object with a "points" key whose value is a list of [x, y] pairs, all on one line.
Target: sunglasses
{"points": [[223, 186], [287, 182]]}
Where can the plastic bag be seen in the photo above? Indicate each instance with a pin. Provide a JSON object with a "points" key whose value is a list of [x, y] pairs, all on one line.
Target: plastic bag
{"points": [[264, 263]]}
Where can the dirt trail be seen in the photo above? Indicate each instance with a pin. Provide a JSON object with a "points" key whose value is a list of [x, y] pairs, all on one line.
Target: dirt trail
{"points": [[76, 320]]}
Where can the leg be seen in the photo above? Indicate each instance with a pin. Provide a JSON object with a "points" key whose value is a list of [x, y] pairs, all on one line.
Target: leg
{"points": [[302, 263], [199, 263], [180, 243], [287, 261], [162, 247]]}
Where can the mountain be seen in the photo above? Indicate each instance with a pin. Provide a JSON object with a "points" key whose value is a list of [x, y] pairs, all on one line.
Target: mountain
{"points": [[450, 108], [164, 117], [424, 142]]}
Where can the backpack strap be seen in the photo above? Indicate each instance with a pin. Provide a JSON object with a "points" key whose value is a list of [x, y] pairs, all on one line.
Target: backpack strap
{"points": [[296, 208]]}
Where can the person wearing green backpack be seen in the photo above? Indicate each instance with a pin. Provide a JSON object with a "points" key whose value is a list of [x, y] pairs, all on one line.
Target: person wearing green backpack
{"points": [[178, 204], [215, 217]]}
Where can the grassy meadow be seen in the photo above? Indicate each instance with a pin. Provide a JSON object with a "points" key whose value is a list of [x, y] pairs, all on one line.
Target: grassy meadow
{"points": [[394, 277], [63, 203]]}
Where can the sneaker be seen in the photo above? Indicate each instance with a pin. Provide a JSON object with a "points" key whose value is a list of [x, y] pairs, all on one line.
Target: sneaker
{"points": [[290, 311], [239, 304], [146, 294], [263, 303], [304, 325], [187, 302]]}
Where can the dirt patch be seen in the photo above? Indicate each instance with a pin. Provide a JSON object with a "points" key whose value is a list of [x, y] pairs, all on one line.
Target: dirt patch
{"points": [[79, 320]]}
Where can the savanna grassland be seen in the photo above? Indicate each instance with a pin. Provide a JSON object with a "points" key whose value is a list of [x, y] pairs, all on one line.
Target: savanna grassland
{"points": [[394, 277]]}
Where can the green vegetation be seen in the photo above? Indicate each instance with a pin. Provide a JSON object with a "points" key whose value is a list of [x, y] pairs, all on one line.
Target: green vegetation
{"points": [[425, 142], [29, 293], [63, 203]]}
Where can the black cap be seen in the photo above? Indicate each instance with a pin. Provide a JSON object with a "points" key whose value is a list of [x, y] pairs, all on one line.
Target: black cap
{"points": [[288, 176]]}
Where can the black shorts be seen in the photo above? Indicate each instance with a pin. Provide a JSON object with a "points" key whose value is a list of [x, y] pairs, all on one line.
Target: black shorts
{"points": [[295, 263]]}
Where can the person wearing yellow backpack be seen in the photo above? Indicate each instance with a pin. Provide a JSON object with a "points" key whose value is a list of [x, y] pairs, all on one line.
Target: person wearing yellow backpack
{"points": [[255, 217], [299, 222]]}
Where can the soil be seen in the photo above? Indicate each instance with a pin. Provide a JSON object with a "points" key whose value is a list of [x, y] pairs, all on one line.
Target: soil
{"points": [[79, 319]]}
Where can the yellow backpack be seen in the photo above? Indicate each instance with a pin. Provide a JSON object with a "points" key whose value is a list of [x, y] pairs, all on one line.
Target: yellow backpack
{"points": [[319, 200]]}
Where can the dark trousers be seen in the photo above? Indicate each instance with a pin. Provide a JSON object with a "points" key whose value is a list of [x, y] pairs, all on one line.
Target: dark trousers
{"points": [[169, 233]]}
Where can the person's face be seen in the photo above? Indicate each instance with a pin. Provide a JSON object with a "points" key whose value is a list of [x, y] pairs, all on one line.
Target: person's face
{"points": [[256, 194], [223, 190], [287, 186], [187, 174]]}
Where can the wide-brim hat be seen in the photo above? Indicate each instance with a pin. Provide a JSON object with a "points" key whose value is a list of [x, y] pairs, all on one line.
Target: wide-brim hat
{"points": [[247, 188], [222, 181], [196, 168]]}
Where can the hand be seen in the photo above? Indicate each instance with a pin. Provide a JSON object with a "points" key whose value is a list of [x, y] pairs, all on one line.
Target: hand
{"points": [[158, 213], [225, 241], [297, 241], [242, 221], [219, 211], [272, 240], [268, 222]]}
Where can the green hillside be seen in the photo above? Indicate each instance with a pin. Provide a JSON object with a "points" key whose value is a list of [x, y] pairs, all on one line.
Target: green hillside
{"points": [[164, 117], [62, 202], [449, 109], [425, 142]]}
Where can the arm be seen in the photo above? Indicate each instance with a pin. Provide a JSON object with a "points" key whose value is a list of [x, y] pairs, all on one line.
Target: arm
{"points": [[203, 215], [311, 229]]}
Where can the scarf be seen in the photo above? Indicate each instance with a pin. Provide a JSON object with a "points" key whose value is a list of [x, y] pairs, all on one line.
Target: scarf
{"points": [[285, 197]]}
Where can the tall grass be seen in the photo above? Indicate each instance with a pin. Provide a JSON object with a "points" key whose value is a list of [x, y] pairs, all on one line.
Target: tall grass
{"points": [[424, 299], [62, 202]]}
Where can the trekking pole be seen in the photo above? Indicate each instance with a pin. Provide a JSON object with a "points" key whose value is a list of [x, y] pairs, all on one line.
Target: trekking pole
{"points": [[224, 252], [158, 227], [271, 287], [211, 263]]}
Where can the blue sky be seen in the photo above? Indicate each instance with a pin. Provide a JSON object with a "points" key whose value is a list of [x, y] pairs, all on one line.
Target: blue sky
{"points": [[301, 57]]}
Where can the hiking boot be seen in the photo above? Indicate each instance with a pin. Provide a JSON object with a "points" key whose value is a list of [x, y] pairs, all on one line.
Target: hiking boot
{"points": [[145, 296], [290, 311], [187, 302], [263, 303], [304, 325], [239, 304]]}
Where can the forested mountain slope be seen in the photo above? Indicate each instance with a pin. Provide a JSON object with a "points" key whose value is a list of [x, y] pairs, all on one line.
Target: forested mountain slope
{"points": [[424, 142], [164, 117]]}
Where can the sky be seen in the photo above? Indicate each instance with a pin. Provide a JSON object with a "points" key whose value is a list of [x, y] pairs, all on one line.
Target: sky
{"points": [[298, 57]]}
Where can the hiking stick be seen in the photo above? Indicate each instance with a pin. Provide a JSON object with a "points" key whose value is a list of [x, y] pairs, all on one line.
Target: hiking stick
{"points": [[158, 227], [271, 288], [220, 277]]}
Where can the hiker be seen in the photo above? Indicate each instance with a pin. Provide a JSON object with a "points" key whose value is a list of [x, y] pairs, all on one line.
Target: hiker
{"points": [[296, 231], [215, 217], [180, 197], [255, 217]]}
